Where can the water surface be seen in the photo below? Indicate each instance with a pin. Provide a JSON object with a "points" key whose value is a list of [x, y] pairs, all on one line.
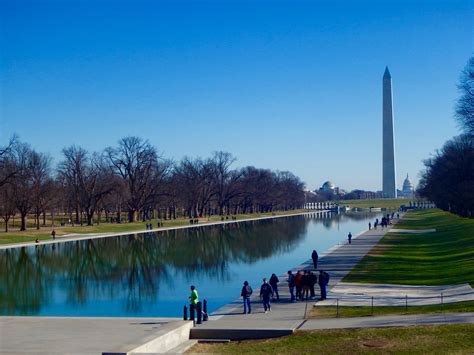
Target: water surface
{"points": [[149, 274]]}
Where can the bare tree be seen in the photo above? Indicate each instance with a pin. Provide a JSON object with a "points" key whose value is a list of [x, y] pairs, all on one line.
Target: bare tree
{"points": [[465, 104], [137, 162]]}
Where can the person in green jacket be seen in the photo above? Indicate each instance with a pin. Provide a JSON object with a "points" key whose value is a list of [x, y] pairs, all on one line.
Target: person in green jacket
{"points": [[194, 298]]}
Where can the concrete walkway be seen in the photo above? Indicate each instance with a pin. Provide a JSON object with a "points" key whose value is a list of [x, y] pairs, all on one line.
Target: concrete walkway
{"points": [[359, 294], [228, 322], [70, 335], [388, 321], [412, 231]]}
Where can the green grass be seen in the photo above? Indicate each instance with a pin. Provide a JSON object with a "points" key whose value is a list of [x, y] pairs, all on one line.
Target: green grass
{"points": [[442, 258], [390, 203], [441, 339], [16, 236], [331, 312]]}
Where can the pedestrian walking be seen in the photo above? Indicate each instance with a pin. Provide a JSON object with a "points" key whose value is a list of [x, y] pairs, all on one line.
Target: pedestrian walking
{"points": [[274, 284], [370, 226], [349, 238], [291, 285], [53, 234], [315, 257], [266, 292], [323, 282], [246, 293]]}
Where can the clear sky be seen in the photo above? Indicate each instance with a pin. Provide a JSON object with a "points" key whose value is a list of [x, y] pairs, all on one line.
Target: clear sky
{"points": [[287, 85]]}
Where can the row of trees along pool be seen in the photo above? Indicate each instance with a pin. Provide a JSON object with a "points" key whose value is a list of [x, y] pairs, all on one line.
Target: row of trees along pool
{"points": [[448, 178], [133, 178]]}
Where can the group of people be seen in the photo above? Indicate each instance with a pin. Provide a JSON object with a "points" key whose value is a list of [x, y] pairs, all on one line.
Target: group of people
{"points": [[385, 221], [303, 282]]}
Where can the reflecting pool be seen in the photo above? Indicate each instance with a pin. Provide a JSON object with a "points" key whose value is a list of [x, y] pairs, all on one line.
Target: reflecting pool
{"points": [[149, 274]]}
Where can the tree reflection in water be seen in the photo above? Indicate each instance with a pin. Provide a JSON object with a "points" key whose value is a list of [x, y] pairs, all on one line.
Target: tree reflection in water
{"points": [[132, 269]]}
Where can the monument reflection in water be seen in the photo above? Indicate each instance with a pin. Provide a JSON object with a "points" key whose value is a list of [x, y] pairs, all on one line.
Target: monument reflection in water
{"points": [[149, 274]]}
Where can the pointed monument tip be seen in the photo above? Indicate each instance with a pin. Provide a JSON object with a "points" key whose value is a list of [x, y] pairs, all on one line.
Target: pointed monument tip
{"points": [[387, 73]]}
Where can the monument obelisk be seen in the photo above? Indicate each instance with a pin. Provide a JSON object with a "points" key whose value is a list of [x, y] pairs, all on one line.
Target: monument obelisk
{"points": [[388, 184]]}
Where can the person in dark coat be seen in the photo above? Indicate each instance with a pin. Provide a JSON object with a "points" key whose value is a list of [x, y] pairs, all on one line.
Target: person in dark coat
{"points": [[323, 282], [246, 293], [305, 285], [298, 285], [291, 285], [313, 279], [349, 237], [315, 258], [266, 292], [274, 284]]}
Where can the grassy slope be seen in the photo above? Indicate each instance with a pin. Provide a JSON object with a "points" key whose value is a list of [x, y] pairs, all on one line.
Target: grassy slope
{"points": [[441, 258], [442, 339], [45, 233]]}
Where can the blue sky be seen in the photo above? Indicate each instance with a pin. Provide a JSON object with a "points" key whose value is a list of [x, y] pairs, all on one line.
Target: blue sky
{"points": [[287, 85]]}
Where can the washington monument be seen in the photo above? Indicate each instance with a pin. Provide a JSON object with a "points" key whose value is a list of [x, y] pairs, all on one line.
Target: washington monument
{"points": [[388, 185]]}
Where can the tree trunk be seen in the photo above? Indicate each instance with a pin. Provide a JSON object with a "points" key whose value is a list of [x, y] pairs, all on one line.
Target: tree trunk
{"points": [[23, 222], [38, 220], [131, 215]]}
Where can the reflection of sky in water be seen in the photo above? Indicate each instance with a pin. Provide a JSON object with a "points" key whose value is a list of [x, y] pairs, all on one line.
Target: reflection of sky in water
{"points": [[149, 275]]}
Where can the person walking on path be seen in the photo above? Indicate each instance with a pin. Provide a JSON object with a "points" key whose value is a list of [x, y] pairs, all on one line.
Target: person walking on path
{"points": [[246, 293], [291, 285], [266, 292], [305, 285], [370, 226], [315, 257], [274, 284], [323, 282], [53, 234], [349, 238]]}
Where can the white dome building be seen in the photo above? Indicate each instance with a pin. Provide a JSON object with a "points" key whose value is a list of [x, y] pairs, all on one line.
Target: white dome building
{"points": [[408, 190]]}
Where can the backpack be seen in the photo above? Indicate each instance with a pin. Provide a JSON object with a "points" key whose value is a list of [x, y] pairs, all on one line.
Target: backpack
{"points": [[326, 277], [249, 290]]}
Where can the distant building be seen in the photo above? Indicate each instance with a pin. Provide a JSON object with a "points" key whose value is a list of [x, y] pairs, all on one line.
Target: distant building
{"points": [[408, 190], [328, 186]]}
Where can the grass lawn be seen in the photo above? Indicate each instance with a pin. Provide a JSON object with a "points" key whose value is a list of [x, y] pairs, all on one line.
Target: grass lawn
{"points": [[331, 312], [442, 339], [45, 233], [445, 257], [391, 203]]}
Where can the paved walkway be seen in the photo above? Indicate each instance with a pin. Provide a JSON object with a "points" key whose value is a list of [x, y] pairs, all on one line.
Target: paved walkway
{"points": [[75, 335], [412, 231], [388, 321], [359, 294]]}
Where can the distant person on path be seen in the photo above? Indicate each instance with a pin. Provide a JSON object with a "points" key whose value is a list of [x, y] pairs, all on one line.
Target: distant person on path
{"points": [[246, 293], [298, 285], [274, 284], [291, 285], [398, 215], [53, 234], [315, 257], [266, 292], [349, 238], [323, 282], [370, 226]]}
